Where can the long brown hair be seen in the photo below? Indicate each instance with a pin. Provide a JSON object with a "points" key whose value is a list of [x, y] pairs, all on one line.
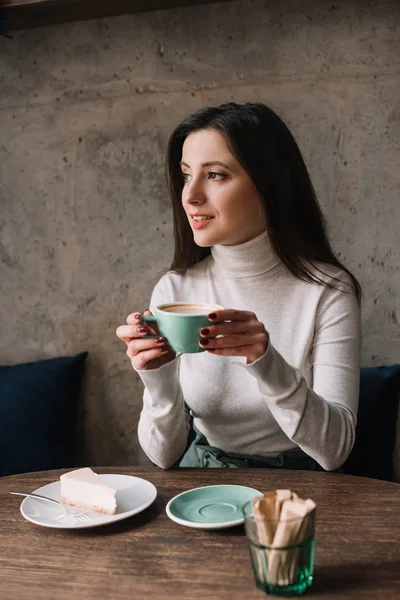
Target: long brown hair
{"points": [[267, 150]]}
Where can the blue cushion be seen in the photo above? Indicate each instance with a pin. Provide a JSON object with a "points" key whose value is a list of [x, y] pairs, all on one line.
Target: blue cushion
{"points": [[38, 414], [372, 455]]}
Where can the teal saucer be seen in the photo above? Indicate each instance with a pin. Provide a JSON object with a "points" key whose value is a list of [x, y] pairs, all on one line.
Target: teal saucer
{"points": [[211, 507]]}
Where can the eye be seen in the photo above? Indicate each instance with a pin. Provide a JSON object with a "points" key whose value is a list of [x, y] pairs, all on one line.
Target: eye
{"points": [[186, 176], [215, 176]]}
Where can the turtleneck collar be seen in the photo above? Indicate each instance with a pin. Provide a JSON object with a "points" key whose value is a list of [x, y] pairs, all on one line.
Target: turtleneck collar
{"points": [[245, 260]]}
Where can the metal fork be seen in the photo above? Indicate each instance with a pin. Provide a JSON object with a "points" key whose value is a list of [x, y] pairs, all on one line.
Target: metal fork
{"points": [[80, 516]]}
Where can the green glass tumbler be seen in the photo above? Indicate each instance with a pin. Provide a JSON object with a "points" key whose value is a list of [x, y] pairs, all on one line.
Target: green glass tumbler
{"points": [[281, 570]]}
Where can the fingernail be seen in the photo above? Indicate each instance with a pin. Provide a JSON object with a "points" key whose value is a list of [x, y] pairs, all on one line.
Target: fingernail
{"points": [[160, 340], [165, 347], [212, 316], [143, 329], [137, 316], [204, 342], [204, 331]]}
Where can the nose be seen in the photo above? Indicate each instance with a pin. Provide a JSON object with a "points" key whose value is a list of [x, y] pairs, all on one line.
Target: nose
{"points": [[193, 193]]}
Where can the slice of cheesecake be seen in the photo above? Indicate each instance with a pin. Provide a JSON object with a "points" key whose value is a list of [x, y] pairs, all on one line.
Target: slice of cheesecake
{"points": [[86, 489]]}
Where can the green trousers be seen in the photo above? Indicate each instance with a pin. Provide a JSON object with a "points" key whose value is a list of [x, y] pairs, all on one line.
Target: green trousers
{"points": [[201, 454]]}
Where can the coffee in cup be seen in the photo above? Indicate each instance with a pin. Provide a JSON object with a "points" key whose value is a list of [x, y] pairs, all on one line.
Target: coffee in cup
{"points": [[180, 324], [186, 308]]}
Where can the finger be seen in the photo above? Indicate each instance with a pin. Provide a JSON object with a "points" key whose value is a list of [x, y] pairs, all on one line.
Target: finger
{"points": [[128, 332], [138, 346], [144, 358], [238, 351], [154, 328], [230, 314], [232, 327], [232, 341], [134, 318], [251, 352]]}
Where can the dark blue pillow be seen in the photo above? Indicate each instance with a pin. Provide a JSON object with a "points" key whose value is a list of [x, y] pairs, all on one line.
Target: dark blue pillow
{"points": [[372, 455], [38, 414]]}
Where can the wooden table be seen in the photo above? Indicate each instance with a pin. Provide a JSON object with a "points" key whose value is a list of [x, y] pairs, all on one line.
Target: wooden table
{"points": [[150, 557]]}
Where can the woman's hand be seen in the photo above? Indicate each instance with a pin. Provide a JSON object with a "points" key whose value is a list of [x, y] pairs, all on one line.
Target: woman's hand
{"points": [[145, 353], [243, 335]]}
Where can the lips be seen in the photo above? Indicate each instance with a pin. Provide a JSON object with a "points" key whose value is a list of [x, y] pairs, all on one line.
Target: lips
{"points": [[199, 216], [199, 221]]}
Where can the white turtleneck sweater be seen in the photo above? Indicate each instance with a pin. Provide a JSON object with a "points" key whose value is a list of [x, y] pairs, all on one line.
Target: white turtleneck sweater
{"points": [[302, 393]]}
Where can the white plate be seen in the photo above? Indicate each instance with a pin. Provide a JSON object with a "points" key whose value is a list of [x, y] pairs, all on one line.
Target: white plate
{"points": [[133, 496], [211, 506]]}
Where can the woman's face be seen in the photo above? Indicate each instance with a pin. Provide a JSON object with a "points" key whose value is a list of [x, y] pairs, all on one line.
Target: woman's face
{"points": [[219, 198]]}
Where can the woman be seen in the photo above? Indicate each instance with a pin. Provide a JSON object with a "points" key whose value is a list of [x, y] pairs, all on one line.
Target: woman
{"points": [[279, 385]]}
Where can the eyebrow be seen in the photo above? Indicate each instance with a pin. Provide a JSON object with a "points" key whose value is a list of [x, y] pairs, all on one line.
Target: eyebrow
{"points": [[209, 164]]}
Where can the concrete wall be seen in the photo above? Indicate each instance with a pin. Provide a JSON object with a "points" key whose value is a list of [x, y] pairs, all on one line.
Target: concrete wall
{"points": [[85, 113]]}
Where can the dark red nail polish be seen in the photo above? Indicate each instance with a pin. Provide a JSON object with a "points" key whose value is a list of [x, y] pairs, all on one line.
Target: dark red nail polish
{"points": [[212, 316], [137, 316], [204, 342], [204, 331], [142, 329], [160, 340]]}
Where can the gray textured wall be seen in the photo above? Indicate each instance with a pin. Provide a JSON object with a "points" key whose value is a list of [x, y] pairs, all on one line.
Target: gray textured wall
{"points": [[85, 113]]}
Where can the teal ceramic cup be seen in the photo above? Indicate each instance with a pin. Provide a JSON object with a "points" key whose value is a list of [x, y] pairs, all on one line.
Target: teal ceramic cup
{"points": [[180, 324]]}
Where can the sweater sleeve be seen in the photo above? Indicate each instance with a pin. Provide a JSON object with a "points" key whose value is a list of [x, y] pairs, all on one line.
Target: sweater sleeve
{"points": [[320, 419], [164, 421]]}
